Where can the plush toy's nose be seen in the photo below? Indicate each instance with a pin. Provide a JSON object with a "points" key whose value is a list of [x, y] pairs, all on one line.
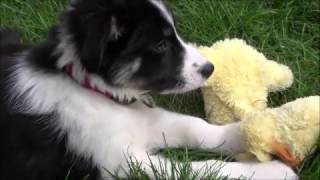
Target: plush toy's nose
{"points": [[207, 70]]}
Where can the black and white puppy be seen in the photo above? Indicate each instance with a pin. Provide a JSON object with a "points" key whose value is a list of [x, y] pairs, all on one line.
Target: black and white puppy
{"points": [[79, 104]]}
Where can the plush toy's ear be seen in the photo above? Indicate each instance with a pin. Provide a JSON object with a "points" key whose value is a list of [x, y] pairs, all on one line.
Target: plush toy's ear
{"points": [[279, 76]]}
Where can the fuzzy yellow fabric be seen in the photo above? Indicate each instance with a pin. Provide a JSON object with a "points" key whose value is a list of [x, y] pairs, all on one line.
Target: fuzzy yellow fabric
{"points": [[295, 126], [241, 82]]}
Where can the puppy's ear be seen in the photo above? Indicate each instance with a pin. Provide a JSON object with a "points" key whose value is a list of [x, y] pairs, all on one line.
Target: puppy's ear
{"points": [[116, 27], [95, 24], [99, 33]]}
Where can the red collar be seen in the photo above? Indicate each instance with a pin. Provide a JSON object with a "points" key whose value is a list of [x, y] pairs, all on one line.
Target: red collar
{"points": [[68, 69]]}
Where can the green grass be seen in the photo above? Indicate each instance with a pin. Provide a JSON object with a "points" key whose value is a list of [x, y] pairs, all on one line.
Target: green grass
{"points": [[286, 31]]}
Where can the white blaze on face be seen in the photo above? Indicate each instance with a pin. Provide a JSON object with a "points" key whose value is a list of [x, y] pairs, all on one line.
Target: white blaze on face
{"points": [[193, 61], [163, 9], [192, 64]]}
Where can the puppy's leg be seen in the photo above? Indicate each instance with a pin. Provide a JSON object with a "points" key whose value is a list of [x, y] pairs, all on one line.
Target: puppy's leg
{"points": [[176, 130], [269, 170]]}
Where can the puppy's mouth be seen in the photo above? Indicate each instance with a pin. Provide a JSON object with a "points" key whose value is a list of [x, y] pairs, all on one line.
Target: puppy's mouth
{"points": [[178, 90], [183, 86], [191, 81]]}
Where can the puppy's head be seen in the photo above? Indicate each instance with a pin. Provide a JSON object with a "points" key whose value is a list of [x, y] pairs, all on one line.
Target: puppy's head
{"points": [[133, 44]]}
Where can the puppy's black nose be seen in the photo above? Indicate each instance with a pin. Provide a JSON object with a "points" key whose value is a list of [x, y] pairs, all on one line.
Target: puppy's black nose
{"points": [[207, 70]]}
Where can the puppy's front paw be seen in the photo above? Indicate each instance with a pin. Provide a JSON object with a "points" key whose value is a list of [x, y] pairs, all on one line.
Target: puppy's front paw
{"points": [[274, 170]]}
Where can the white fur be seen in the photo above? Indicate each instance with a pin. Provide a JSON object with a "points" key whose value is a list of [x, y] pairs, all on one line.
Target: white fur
{"points": [[123, 75]]}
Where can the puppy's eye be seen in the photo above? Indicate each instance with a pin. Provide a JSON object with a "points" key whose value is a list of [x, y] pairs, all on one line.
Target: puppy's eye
{"points": [[161, 46]]}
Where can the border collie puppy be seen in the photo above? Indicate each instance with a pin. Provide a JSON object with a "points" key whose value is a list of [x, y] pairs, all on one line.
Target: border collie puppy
{"points": [[78, 105]]}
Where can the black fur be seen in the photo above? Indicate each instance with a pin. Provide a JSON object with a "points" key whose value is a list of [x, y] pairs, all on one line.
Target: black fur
{"points": [[29, 146], [9, 42], [29, 149]]}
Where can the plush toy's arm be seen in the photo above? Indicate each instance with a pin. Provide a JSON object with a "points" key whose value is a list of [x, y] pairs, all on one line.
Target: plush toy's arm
{"points": [[243, 105], [216, 111]]}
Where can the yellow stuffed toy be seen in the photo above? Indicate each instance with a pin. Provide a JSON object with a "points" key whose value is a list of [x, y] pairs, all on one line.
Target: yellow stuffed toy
{"points": [[289, 132], [238, 90], [241, 82]]}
